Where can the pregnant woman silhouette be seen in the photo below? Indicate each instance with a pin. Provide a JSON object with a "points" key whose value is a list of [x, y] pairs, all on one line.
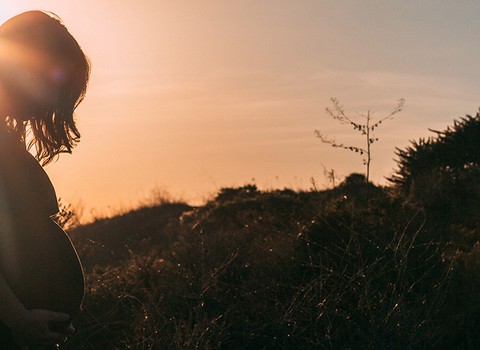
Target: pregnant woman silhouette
{"points": [[43, 78]]}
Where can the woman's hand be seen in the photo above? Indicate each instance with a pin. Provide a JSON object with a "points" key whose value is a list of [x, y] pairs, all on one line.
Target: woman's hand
{"points": [[32, 328]]}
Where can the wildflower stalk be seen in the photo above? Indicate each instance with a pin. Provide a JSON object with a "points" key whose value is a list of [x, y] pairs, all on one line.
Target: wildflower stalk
{"points": [[366, 129]]}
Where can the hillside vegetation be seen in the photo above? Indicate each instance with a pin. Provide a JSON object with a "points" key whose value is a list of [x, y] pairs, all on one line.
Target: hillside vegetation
{"points": [[355, 267]]}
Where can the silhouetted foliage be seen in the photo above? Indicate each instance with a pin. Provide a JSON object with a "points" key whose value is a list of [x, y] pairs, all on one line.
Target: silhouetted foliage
{"points": [[442, 173], [276, 269], [454, 151]]}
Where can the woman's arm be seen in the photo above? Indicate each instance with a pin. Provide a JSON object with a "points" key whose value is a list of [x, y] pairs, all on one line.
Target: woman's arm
{"points": [[28, 326]]}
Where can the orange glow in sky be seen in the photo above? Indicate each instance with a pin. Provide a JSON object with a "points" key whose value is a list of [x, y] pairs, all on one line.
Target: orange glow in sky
{"points": [[191, 96]]}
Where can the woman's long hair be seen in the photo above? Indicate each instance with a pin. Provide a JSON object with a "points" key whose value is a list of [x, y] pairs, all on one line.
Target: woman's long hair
{"points": [[51, 127]]}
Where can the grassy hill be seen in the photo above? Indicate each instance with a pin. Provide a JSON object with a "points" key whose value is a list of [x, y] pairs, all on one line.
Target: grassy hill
{"points": [[355, 267]]}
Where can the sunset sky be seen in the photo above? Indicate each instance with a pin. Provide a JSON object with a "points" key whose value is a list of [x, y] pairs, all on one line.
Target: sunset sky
{"points": [[191, 96]]}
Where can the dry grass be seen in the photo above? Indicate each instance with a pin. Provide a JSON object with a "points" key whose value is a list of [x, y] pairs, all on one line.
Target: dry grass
{"points": [[272, 270]]}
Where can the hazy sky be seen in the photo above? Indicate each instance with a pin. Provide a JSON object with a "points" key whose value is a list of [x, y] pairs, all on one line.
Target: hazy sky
{"points": [[191, 96]]}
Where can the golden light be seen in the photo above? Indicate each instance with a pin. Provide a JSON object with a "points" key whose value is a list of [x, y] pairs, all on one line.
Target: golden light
{"points": [[27, 75]]}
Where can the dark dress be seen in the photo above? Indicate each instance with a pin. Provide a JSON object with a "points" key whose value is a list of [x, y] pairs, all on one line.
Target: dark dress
{"points": [[27, 200]]}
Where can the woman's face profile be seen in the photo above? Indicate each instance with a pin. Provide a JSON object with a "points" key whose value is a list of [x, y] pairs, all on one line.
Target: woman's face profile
{"points": [[30, 77], [29, 82]]}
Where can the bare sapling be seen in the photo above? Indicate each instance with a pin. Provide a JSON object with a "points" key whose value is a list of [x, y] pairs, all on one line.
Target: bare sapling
{"points": [[366, 129]]}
